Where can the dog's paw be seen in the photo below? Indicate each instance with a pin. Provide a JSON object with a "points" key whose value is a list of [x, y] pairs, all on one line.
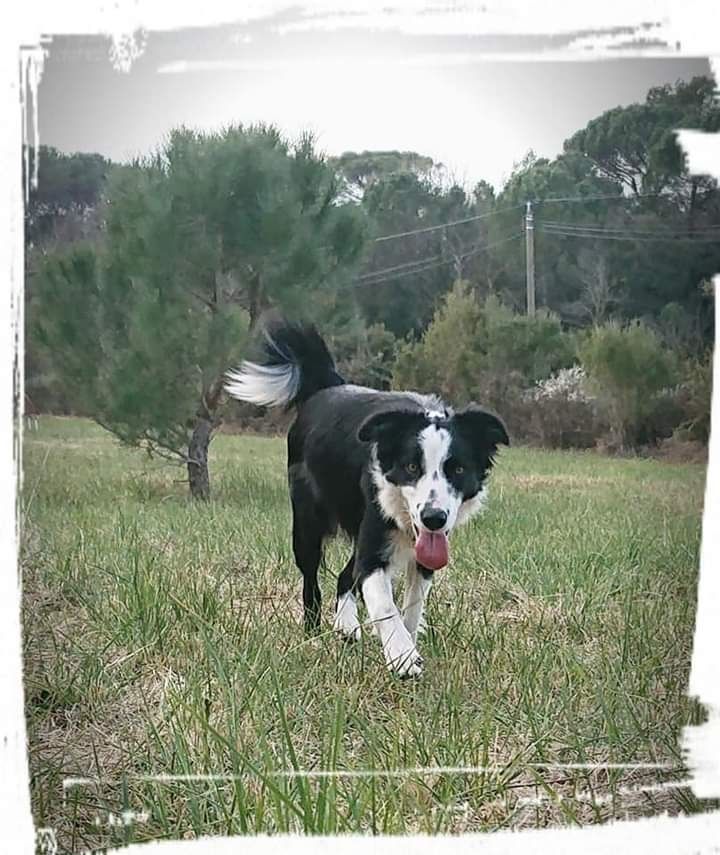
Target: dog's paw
{"points": [[346, 632], [404, 661], [346, 623]]}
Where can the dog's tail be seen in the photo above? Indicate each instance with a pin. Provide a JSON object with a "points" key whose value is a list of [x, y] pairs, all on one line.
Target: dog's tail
{"points": [[295, 363]]}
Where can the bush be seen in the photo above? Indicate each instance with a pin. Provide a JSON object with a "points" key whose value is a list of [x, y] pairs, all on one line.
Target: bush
{"points": [[697, 400], [445, 359], [628, 368], [365, 355], [562, 412], [483, 351]]}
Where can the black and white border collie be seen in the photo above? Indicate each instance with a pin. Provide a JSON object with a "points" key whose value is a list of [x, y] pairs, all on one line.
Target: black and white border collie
{"points": [[396, 471]]}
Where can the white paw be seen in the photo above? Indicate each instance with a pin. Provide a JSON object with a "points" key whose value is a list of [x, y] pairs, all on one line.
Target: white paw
{"points": [[402, 658], [346, 621]]}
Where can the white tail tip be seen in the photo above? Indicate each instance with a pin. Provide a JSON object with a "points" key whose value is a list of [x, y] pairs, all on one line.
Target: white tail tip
{"points": [[264, 385]]}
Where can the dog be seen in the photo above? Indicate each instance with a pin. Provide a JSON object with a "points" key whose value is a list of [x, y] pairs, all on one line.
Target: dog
{"points": [[396, 471]]}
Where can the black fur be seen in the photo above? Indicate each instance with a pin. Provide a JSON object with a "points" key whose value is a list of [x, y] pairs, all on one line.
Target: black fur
{"points": [[300, 344], [330, 454]]}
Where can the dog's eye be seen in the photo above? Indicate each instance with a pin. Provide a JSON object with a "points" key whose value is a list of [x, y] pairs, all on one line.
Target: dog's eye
{"points": [[459, 470], [412, 468]]}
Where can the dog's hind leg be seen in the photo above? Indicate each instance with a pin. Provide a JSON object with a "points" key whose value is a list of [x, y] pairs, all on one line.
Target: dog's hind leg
{"points": [[307, 547], [346, 613], [309, 529]]}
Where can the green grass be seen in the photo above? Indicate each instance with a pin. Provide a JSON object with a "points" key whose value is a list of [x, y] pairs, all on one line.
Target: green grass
{"points": [[165, 637]]}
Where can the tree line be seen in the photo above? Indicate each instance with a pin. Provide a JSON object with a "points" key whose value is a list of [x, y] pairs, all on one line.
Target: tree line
{"points": [[145, 281]]}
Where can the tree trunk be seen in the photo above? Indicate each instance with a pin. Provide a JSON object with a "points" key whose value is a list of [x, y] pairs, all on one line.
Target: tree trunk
{"points": [[257, 301], [198, 474], [206, 422]]}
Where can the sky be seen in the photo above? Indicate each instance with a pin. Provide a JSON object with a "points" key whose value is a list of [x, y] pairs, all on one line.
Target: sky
{"points": [[476, 103]]}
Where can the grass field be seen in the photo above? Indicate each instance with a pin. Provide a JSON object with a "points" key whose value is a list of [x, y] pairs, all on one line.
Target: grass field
{"points": [[165, 638]]}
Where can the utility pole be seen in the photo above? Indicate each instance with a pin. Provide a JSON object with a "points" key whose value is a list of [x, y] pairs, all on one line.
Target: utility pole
{"points": [[447, 251], [530, 258]]}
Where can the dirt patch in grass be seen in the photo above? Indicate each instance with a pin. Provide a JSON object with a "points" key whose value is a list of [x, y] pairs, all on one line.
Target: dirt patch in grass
{"points": [[674, 450]]}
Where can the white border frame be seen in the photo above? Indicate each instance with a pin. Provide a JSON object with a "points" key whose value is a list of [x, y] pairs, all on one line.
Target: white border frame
{"points": [[695, 26]]}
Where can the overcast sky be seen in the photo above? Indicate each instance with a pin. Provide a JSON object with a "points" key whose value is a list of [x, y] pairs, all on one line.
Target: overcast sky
{"points": [[475, 103]]}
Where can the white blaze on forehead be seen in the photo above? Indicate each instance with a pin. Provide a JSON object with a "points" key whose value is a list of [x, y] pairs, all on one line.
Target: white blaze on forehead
{"points": [[435, 446], [433, 488]]}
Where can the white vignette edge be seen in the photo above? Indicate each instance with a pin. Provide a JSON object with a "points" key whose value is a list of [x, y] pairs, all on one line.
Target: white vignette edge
{"points": [[691, 24]]}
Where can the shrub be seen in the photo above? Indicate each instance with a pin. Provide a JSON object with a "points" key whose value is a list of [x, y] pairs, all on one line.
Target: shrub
{"points": [[562, 412], [445, 359], [697, 399], [627, 368], [483, 351], [365, 355]]}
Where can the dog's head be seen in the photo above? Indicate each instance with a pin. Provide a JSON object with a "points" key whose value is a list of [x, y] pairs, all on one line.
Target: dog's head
{"points": [[430, 471]]}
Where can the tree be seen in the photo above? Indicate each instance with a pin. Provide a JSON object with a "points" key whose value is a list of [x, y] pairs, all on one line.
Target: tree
{"points": [[598, 296], [625, 154], [405, 276], [539, 181], [359, 170], [627, 367], [637, 146], [201, 238], [68, 192], [483, 350]]}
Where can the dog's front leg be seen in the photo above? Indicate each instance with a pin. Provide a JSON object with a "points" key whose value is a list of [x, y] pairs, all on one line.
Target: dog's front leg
{"points": [[418, 582], [398, 646]]}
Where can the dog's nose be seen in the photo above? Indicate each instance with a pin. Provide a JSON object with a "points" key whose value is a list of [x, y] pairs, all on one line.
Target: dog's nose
{"points": [[433, 518]]}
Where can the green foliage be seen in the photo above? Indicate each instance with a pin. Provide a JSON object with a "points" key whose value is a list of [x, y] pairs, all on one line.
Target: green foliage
{"points": [[403, 202], [627, 367], [69, 327], [637, 145], [483, 350], [629, 150], [69, 188], [237, 222], [65, 180], [445, 359], [359, 170], [200, 239], [364, 354], [244, 204], [698, 398], [137, 359]]}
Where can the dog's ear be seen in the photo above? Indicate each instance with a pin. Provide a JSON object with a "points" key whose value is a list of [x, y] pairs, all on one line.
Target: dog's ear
{"points": [[389, 423], [484, 430]]}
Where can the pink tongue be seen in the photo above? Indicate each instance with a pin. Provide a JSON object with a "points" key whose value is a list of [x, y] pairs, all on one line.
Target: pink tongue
{"points": [[431, 549]]}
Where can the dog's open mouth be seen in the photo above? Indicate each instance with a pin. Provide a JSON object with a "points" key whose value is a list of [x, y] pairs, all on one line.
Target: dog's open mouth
{"points": [[431, 549]]}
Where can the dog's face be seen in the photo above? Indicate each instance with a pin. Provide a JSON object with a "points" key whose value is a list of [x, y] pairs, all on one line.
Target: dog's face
{"points": [[430, 471]]}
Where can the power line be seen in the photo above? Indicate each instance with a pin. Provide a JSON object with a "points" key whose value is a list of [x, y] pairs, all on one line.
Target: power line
{"points": [[588, 227], [512, 208], [595, 198], [392, 276], [433, 262], [637, 238], [480, 249], [373, 273], [448, 225]]}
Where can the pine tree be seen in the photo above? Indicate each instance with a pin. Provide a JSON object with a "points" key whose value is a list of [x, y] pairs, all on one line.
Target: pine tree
{"points": [[199, 240]]}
